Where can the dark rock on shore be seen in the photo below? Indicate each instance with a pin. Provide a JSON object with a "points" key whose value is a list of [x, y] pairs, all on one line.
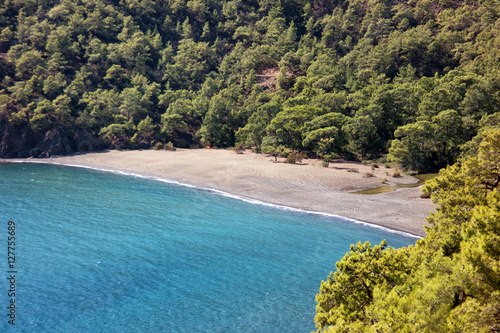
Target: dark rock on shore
{"points": [[22, 142]]}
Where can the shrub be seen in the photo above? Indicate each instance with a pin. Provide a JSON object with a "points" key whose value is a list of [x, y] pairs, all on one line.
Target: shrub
{"points": [[169, 146], [294, 157], [328, 158], [158, 146], [396, 173], [369, 175], [238, 148]]}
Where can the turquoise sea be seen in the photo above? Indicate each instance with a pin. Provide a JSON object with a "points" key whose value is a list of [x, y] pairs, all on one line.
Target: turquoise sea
{"points": [[103, 252]]}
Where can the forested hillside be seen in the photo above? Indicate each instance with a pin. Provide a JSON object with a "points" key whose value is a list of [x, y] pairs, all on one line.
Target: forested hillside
{"points": [[416, 79]]}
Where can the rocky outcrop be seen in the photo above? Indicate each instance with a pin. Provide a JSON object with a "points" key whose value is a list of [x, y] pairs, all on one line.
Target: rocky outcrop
{"points": [[58, 140]]}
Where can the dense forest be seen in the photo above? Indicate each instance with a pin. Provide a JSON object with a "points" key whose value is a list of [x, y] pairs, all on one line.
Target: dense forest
{"points": [[448, 282], [414, 81]]}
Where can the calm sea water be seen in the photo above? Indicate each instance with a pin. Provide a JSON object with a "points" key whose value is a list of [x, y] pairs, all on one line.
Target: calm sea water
{"points": [[103, 252]]}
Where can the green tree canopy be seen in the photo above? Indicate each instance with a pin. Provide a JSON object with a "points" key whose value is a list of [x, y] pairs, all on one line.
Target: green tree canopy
{"points": [[288, 125], [449, 281]]}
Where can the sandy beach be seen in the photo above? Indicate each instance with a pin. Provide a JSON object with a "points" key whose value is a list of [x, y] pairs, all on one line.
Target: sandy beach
{"points": [[307, 186]]}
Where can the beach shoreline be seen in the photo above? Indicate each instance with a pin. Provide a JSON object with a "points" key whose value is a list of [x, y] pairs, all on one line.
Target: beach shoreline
{"points": [[307, 186]]}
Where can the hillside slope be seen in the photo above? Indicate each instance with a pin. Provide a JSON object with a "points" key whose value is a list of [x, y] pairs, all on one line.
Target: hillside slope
{"points": [[415, 79]]}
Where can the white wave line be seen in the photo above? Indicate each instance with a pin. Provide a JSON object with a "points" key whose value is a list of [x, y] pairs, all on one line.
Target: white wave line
{"points": [[229, 195]]}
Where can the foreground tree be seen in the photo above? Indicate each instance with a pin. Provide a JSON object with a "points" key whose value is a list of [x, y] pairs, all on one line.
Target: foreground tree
{"points": [[365, 271], [448, 282]]}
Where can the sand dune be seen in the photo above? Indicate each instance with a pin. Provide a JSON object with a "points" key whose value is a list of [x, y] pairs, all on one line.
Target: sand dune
{"points": [[307, 186]]}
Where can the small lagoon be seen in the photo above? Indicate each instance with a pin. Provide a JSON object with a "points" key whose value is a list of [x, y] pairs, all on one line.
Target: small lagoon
{"points": [[104, 252], [384, 189]]}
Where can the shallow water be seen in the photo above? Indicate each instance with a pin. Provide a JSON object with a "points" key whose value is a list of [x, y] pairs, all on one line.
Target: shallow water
{"points": [[384, 189], [103, 252]]}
